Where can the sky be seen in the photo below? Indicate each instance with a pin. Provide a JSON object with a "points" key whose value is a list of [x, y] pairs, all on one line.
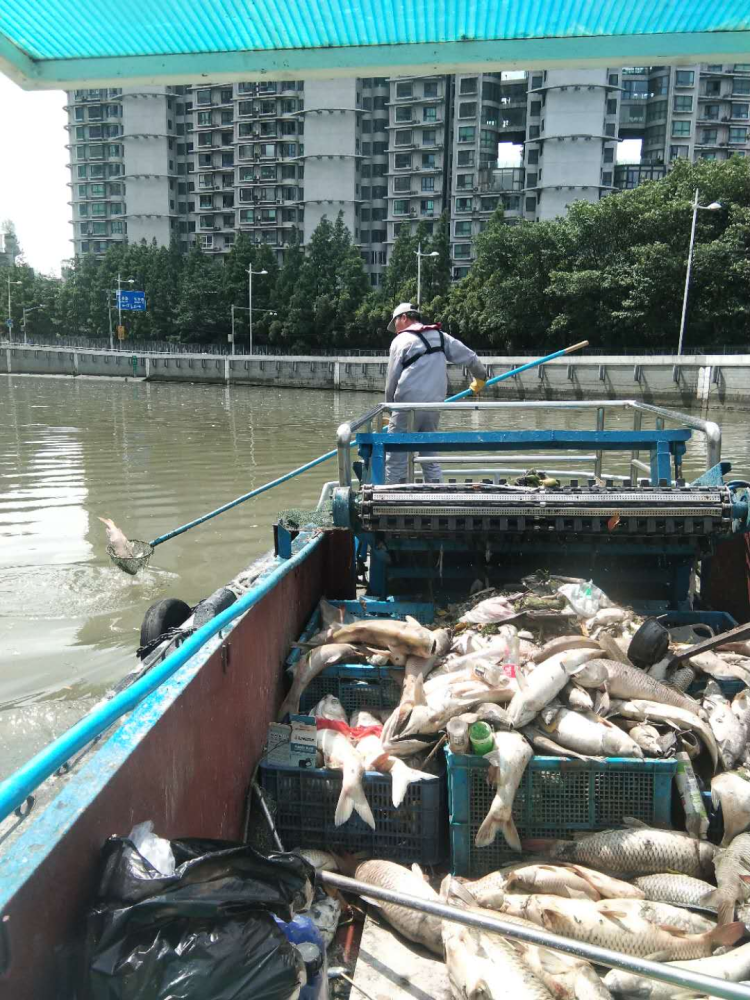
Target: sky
{"points": [[34, 173]]}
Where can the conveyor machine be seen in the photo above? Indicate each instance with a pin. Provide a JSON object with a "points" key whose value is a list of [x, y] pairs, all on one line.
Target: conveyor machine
{"points": [[640, 537]]}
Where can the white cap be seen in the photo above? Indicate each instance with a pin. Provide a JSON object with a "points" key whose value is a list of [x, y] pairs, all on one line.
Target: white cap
{"points": [[403, 307]]}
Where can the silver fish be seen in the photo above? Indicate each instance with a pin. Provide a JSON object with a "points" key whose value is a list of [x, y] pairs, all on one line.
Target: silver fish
{"points": [[537, 688], [650, 711], [741, 711], [562, 644], [308, 668], [508, 762], [545, 745], [622, 926], [631, 683], [407, 636], [731, 791], [632, 851], [647, 738], [437, 701], [120, 544], [732, 866], [340, 755], [552, 880], [727, 728], [678, 890], [420, 666], [566, 977], [321, 861], [421, 928], [577, 697], [732, 967], [370, 749], [588, 734]]}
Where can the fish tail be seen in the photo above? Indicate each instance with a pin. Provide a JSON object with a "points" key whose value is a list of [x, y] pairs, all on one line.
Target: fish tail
{"points": [[499, 817], [727, 934], [353, 798], [402, 776], [724, 902], [290, 705]]}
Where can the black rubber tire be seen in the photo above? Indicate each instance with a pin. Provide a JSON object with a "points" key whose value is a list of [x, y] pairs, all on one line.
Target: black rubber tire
{"points": [[163, 615], [649, 644], [210, 607]]}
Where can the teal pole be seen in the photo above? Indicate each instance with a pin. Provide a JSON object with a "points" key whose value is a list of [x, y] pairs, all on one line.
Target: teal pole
{"points": [[517, 371]]}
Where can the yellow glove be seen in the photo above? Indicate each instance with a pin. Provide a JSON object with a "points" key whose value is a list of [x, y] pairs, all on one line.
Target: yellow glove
{"points": [[477, 385]]}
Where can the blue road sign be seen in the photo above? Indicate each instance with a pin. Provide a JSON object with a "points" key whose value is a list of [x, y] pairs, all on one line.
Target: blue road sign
{"points": [[133, 300], [9, 323]]}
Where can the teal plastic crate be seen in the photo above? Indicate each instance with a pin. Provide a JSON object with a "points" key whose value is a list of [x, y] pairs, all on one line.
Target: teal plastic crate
{"points": [[356, 685], [556, 798], [414, 833]]}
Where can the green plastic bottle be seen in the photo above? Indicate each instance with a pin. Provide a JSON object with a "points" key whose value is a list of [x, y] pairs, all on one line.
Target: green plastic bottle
{"points": [[480, 735]]}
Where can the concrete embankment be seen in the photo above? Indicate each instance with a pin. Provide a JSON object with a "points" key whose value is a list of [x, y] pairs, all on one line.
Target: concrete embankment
{"points": [[687, 381]]}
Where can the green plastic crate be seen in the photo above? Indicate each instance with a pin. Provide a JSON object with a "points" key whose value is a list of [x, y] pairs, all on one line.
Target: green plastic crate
{"points": [[556, 798]]}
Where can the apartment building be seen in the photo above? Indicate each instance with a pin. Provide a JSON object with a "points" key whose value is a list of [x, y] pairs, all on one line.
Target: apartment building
{"points": [[203, 163]]}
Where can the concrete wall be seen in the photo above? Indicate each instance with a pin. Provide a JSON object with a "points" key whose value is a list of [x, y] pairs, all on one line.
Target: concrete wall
{"points": [[684, 382], [330, 146], [147, 163]]}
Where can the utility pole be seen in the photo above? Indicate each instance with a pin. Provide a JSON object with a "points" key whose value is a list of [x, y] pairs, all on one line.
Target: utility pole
{"points": [[10, 314], [232, 329], [250, 274]]}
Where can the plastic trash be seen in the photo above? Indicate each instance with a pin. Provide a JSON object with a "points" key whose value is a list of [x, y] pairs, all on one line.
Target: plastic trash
{"points": [[205, 932], [584, 598], [156, 850], [493, 609], [306, 937]]}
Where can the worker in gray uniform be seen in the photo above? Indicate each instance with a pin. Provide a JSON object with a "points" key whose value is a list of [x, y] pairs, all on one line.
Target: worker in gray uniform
{"points": [[417, 373]]}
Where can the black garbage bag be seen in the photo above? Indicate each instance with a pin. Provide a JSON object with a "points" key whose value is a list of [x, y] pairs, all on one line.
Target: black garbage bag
{"points": [[204, 933]]}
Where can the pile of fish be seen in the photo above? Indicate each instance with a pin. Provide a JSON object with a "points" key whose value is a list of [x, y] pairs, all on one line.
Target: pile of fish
{"points": [[638, 891]]}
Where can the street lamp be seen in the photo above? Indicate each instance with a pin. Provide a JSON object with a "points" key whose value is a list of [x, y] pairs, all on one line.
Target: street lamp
{"points": [[419, 256], [26, 311], [713, 207], [9, 321], [250, 274], [130, 281], [108, 293]]}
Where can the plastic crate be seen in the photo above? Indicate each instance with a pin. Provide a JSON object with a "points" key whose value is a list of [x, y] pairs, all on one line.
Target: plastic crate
{"points": [[719, 621], [556, 798], [355, 686], [416, 832]]}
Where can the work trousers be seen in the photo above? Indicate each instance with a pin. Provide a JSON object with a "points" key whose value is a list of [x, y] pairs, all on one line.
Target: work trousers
{"points": [[395, 461]]}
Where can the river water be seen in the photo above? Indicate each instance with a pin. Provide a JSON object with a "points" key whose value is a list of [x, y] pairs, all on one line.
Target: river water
{"points": [[152, 456]]}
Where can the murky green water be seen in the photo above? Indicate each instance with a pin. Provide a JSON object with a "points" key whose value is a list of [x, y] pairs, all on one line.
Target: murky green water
{"points": [[150, 456]]}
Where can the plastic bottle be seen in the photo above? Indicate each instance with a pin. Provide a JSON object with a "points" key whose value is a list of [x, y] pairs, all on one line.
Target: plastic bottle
{"points": [[458, 735], [302, 932], [480, 735]]}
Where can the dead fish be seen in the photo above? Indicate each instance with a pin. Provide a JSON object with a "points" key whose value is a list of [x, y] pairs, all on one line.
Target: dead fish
{"points": [[607, 616], [678, 890], [683, 677], [370, 749], [646, 711], [622, 926], [606, 886], [731, 791], [632, 851], [439, 700], [420, 666], [120, 544], [308, 668], [340, 755], [631, 683], [408, 636], [537, 688], [507, 766], [732, 866], [733, 967], [422, 928], [566, 977], [321, 861], [727, 728], [743, 647], [577, 697], [553, 880], [648, 739], [543, 743], [741, 711], [562, 644], [588, 734], [722, 667], [612, 648]]}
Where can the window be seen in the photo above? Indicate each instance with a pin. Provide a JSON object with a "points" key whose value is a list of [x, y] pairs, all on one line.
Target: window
{"points": [[203, 97], [204, 160], [403, 137], [741, 86], [380, 125], [464, 204], [464, 182], [98, 190], [683, 102], [634, 90], [713, 88], [288, 128], [708, 136], [462, 228], [467, 109], [379, 148], [403, 114], [428, 183], [612, 106], [379, 169], [609, 155], [379, 215], [429, 161], [268, 149], [204, 139], [99, 228], [531, 202], [95, 113], [740, 110], [429, 137], [366, 170], [79, 114], [678, 152], [403, 90], [680, 128], [533, 131], [537, 81], [378, 192], [204, 117], [715, 68], [431, 88], [467, 133], [489, 204], [465, 158], [117, 227], [226, 95], [468, 85], [83, 211], [402, 183], [96, 170], [532, 157], [461, 251], [82, 171], [738, 134], [710, 111], [116, 208], [401, 206], [684, 78], [206, 201], [659, 86], [115, 150], [429, 114], [531, 180]]}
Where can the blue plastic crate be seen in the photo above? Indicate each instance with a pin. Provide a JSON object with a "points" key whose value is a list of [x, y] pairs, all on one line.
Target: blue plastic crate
{"points": [[556, 798], [355, 685], [415, 832]]}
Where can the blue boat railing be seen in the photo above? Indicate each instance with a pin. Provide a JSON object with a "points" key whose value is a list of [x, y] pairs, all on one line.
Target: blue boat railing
{"points": [[368, 429]]}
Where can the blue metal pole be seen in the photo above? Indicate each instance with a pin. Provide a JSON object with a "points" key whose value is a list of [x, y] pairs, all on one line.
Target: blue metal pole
{"points": [[523, 368], [15, 790]]}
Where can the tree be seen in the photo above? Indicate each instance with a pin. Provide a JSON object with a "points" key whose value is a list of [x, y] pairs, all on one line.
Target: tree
{"points": [[200, 289]]}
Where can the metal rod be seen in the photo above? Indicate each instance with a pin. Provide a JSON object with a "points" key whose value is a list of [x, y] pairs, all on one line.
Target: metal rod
{"points": [[514, 470], [599, 427], [687, 274], [268, 817], [500, 457], [697, 982]]}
